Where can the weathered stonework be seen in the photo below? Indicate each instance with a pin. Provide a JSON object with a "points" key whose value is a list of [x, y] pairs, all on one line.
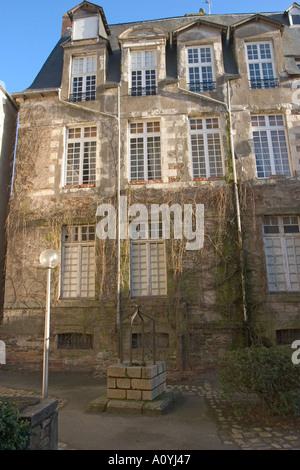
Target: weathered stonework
{"points": [[43, 419], [202, 313], [136, 382]]}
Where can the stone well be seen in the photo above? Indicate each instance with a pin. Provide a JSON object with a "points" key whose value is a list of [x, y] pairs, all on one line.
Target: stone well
{"points": [[136, 382]]}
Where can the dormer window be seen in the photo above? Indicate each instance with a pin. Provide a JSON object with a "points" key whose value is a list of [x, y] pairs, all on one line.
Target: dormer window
{"points": [[261, 65], [295, 19], [201, 69], [85, 28], [143, 73], [143, 49], [83, 80], [294, 14]]}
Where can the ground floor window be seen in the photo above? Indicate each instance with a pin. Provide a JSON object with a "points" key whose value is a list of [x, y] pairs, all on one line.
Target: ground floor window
{"points": [[282, 251], [148, 268], [74, 341], [78, 262]]}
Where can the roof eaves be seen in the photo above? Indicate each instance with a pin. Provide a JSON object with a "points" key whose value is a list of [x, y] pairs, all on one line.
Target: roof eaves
{"points": [[30, 93], [9, 97], [294, 5]]}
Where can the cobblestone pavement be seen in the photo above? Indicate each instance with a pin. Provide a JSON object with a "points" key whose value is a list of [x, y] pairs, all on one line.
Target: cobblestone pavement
{"points": [[231, 430], [11, 392]]}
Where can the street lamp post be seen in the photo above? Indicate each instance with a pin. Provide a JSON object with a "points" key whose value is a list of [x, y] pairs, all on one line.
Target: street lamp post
{"points": [[49, 260]]}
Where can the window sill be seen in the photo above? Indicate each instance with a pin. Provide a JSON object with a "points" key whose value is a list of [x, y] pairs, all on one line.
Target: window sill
{"points": [[277, 177], [281, 295], [149, 297], [210, 178], [87, 302], [145, 182], [273, 178], [79, 186]]}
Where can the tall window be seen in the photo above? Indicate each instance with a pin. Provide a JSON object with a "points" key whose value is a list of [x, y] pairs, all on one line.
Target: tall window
{"points": [[201, 69], [80, 168], [270, 146], [83, 82], [78, 262], [148, 263], [145, 151], [261, 65], [143, 73], [282, 250], [206, 148]]}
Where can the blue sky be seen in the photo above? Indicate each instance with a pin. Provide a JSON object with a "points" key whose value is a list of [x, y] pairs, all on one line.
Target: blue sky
{"points": [[29, 29]]}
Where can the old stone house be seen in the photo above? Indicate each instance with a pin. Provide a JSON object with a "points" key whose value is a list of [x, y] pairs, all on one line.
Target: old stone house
{"points": [[193, 112]]}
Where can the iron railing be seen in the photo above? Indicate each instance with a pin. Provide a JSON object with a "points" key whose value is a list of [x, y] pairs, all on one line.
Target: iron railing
{"points": [[264, 83], [79, 97], [199, 87], [144, 91]]}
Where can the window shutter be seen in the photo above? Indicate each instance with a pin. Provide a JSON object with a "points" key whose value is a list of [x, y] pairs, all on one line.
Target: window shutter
{"points": [[86, 28]]}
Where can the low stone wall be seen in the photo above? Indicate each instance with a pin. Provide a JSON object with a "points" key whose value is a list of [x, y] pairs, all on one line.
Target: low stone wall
{"points": [[125, 382], [43, 418]]}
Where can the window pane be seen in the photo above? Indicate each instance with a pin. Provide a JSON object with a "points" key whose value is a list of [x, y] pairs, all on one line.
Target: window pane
{"points": [[280, 152], [148, 269], [139, 275], [73, 164], [78, 262], [81, 156], [271, 225], [157, 269], [282, 252], [206, 148], [153, 156], [290, 224], [137, 159], [275, 264]]}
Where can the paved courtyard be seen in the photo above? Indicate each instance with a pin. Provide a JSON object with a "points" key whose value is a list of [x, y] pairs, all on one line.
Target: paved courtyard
{"points": [[203, 420]]}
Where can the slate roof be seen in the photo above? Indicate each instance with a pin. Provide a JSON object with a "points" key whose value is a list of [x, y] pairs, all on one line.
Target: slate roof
{"points": [[51, 72]]}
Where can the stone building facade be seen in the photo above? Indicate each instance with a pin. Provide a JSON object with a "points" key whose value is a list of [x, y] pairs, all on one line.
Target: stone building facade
{"points": [[8, 130], [187, 114]]}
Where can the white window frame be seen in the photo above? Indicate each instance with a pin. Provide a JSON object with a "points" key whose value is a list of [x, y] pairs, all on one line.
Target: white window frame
{"points": [[78, 267], [83, 78], [148, 277], [206, 149], [144, 146], [200, 65], [143, 72], [270, 136], [81, 156], [282, 252], [261, 78]]}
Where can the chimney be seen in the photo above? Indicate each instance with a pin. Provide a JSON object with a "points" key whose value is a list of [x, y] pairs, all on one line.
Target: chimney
{"points": [[66, 23]]}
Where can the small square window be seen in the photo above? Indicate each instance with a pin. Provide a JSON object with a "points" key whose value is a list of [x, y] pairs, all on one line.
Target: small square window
{"points": [[287, 336]]}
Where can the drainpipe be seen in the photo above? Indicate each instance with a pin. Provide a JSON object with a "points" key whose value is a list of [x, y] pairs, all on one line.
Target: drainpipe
{"points": [[117, 118], [236, 191]]}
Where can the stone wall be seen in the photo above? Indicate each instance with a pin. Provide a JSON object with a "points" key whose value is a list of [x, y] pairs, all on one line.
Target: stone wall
{"points": [[43, 419]]}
